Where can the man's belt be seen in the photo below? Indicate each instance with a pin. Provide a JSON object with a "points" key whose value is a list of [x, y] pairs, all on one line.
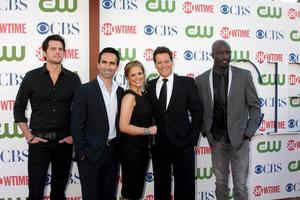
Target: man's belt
{"points": [[52, 136]]}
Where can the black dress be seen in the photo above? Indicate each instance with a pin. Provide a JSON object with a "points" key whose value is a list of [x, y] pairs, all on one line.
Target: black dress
{"points": [[134, 151]]}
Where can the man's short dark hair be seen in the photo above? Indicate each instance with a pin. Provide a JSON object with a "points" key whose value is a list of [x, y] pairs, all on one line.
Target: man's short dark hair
{"points": [[160, 50], [109, 50], [45, 44]]}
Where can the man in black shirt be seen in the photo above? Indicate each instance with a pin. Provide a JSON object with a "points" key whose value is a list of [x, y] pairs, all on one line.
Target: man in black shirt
{"points": [[50, 91], [231, 115]]}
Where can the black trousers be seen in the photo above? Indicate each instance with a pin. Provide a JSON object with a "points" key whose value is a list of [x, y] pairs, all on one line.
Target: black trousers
{"points": [[182, 161], [99, 179], [40, 156]]}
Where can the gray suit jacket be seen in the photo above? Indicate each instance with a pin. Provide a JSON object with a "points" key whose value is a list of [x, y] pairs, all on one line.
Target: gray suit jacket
{"points": [[243, 109]]}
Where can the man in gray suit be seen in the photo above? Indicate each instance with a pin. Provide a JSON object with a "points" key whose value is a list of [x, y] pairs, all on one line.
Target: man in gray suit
{"points": [[231, 115]]}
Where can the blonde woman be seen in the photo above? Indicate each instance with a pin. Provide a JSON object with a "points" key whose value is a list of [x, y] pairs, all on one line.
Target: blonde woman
{"points": [[136, 127]]}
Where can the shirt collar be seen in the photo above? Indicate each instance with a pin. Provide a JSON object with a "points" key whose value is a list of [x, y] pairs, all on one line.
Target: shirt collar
{"points": [[45, 70], [101, 83], [170, 78], [225, 72]]}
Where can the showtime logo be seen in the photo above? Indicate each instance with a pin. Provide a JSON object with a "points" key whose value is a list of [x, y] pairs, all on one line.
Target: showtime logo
{"points": [[67, 198], [226, 33], [293, 145], [293, 13], [110, 29], [189, 7], [13, 180], [69, 54], [7, 105], [265, 125], [261, 190], [203, 150], [148, 54], [13, 28], [294, 79], [269, 57]]}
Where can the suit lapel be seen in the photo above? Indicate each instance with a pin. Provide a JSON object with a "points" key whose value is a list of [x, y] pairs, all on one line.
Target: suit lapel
{"points": [[211, 89], [100, 99], [231, 82]]}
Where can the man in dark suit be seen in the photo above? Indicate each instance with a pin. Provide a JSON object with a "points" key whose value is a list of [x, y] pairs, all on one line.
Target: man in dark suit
{"points": [[95, 115], [177, 114], [231, 115]]}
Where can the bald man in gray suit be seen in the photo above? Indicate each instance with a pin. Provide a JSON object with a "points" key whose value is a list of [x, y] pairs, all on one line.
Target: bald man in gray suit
{"points": [[231, 115]]}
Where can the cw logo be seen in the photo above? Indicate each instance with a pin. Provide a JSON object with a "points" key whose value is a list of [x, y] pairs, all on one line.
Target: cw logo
{"points": [[12, 55], [207, 173], [126, 55], [6, 131], [241, 55], [294, 166], [198, 31], [295, 36], [265, 12], [264, 147], [56, 5], [295, 102], [152, 76], [269, 79], [161, 5]]}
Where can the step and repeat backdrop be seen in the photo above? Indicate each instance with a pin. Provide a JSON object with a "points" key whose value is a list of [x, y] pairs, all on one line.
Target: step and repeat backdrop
{"points": [[264, 37]]}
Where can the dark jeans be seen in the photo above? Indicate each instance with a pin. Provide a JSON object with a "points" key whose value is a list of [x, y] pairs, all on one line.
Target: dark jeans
{"points": [[40, 156]]}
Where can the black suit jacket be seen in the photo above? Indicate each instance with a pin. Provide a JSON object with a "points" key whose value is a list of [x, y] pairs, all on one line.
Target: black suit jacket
{"points": [[89, 122], [180, 125]]}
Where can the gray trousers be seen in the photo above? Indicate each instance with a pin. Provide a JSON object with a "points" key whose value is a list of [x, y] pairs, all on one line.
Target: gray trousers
{"points": [[224, 155]]}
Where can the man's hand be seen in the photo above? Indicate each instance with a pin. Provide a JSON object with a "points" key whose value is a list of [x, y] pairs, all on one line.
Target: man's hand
{"points": [[68, 140]]}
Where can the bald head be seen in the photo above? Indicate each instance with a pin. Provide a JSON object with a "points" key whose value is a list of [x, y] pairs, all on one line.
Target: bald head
{"points": [[218, 43], [221, 54]]}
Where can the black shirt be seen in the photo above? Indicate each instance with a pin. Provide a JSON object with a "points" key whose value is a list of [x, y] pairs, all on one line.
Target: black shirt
{"points": [[219, 126], [50, 104]]}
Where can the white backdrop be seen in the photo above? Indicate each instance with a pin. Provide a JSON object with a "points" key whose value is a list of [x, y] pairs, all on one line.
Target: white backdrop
{"points": [[263, 32], [260, 31]]}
